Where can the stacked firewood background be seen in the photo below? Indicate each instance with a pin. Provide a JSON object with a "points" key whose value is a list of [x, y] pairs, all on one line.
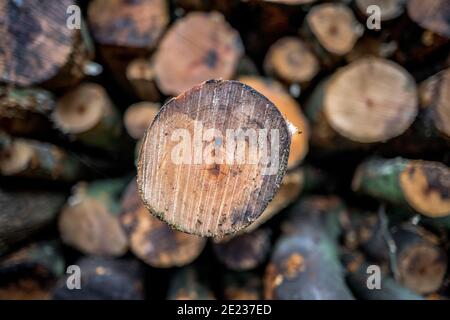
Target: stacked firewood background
{"points": [[367, 183]]}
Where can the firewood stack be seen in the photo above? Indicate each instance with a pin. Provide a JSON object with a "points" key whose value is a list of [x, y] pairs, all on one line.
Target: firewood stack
{"points": [[360, 104]]}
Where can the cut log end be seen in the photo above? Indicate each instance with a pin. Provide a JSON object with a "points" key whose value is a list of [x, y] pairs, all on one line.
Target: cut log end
{"points": [[218, 184], [371, 109], [435, 98], [290, 109], [204, 46], [15, 158], [87, 224], [139, 116], [37, 43], [290, 60], [422, 268], [426, 187], [134, 24], [153, 241], [432, 16], [81, 109], [334, 27]]}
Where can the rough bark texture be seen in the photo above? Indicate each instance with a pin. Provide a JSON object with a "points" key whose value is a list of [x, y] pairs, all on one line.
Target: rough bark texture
{"points": [[203, 192], [26, 211]]}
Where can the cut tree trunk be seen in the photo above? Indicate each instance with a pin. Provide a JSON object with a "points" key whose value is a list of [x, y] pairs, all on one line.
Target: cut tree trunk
{"points": [[421, 262], [333, 31], [244, 252], [26, 211], [291, 61], [104, 279], [434, 95], [126, 30], [140, 73], [433, 16], [197, 47], [25, 111], [31, 272], [37, 46], [90, 220], [419, 185], [206, 190], [138, 117], [290, 109], [305, 262], [351, 109], [39, 160], [87, 114], [152, 240], [188, 284]]}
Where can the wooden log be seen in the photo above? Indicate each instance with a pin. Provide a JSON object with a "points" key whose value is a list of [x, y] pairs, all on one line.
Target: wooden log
{"points": [[421, 262], [305, 262], [333, 31], [198, 47], [140, 73], [105, 279], [351, 109], [434, 95], [292, 2], [291, 61], [422, 186], [90, 222], [244, 252], [24, 111], [26, 211], [246, 67], [87, 114], [290, 109], [390, 289], [153, 241], [389, 9], [188, 284], [138, 117], [31, 272], [380, 46], [38, 47], [432, 16], [194, 189], [242, 286], [40, 160], [126, 30]]}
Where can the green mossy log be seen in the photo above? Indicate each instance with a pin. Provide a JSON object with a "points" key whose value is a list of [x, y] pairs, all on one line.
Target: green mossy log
{"points": [[422, 186]]}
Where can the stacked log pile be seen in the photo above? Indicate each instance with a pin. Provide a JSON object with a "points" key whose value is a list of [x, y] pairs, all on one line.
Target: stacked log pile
{"points": [[96, 176]]}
